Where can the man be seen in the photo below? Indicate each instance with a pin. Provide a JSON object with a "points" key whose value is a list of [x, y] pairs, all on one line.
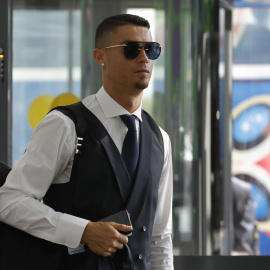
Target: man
{"points": [[125, 53]]}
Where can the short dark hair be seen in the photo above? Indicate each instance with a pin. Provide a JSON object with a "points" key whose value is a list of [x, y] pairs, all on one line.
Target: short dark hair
{"points": [[103, 32]]}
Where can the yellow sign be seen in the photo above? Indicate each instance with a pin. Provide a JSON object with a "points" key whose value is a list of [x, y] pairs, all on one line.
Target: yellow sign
{"points": [[43, 104]]}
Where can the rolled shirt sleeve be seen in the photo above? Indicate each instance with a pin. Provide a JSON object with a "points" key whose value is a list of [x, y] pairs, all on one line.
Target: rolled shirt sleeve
{"points": [[161, 245]]}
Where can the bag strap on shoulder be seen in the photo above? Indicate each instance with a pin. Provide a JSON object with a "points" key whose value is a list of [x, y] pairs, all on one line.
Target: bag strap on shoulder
{"points": [[75, 113]]}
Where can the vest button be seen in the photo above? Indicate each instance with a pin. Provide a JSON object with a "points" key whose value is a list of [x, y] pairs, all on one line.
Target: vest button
{"points": [[144, 228], [140, 256]]}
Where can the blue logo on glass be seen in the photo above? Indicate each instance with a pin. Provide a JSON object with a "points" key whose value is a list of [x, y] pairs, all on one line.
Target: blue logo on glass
{"points": [[252, 125]]}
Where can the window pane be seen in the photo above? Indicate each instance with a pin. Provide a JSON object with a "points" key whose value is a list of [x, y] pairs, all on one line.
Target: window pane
{"points": [[46, 64]]}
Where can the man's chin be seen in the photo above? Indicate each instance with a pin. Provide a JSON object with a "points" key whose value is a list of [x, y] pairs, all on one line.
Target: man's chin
{"points": [[141, 85]]}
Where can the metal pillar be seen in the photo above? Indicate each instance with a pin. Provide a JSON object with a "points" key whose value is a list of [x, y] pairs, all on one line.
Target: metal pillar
{"points": [[5, 80]]}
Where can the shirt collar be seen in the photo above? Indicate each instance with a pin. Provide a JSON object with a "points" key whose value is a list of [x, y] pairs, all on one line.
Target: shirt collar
{"points": [[111, 108]]}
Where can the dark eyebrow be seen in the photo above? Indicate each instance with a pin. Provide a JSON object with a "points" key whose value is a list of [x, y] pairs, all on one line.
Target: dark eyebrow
{"points": [[128, 41]]}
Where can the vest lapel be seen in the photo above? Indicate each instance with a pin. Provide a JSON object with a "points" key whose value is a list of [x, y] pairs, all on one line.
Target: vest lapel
{"points": [[119, 168]]}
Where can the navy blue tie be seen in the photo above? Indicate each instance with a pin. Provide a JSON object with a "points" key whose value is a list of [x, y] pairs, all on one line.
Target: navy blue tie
{"points": [[130, 150]]}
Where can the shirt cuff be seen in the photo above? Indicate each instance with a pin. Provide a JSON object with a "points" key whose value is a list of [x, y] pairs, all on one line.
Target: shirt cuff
{"points": [[69, 230]]}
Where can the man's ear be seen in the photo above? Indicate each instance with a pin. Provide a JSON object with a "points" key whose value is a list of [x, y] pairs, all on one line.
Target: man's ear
{"points": [[99, 57]]}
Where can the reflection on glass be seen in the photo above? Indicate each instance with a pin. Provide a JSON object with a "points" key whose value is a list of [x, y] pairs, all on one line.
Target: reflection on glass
{"points": [[251, 114], [46, 63]]}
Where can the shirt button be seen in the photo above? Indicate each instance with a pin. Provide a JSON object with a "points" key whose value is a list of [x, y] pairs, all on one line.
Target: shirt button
{"points": [[144, 228], [140, 256]]}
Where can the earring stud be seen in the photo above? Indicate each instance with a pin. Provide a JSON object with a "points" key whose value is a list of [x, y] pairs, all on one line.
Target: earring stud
{"points": [[102, 64]]}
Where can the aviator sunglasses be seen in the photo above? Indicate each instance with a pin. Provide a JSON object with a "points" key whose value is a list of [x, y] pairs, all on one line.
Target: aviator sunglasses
{"points": [[131, 49]]}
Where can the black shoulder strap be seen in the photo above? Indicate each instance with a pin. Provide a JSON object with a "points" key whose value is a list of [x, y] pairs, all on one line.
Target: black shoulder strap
{"points": [[75, 113]]}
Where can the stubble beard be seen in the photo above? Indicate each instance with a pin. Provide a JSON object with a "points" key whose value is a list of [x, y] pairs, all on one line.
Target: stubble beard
{"points": [[141, 85]]}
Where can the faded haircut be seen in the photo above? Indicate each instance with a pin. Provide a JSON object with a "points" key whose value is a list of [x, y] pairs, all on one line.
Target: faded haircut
{"points": [[109, 25]]}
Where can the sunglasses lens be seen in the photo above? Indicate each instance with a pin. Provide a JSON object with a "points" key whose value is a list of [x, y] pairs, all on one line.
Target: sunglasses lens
{"points": [[131, 50], [152, 50]]}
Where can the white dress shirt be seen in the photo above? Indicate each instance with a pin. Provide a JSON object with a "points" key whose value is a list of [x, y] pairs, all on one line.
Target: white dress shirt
{"points": [[48, 160]]}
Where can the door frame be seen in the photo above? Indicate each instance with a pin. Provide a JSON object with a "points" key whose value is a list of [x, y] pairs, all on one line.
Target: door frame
{"points": [[6, 82]]}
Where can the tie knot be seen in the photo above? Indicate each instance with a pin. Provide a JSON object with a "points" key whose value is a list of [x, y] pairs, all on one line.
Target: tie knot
{"points": [[129, 121]]}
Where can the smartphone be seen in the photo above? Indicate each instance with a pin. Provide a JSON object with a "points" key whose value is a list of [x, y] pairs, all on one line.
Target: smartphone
{"points": [[122, 217]]}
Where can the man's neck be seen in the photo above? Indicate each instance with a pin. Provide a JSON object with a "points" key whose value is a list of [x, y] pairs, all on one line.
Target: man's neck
{"points": [[131, 102]]}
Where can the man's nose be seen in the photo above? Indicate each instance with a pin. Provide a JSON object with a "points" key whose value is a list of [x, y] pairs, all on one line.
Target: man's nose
{"points": [[142, 55]]}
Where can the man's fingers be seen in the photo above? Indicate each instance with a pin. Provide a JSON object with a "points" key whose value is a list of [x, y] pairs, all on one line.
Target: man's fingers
{"points": [[121, 227], [116, 244], [105, 238], [112, 250], [106, 254], [122, 239]]}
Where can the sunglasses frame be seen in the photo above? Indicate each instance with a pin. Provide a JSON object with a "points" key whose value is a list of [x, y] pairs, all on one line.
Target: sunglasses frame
{"points": [[139, 48]]}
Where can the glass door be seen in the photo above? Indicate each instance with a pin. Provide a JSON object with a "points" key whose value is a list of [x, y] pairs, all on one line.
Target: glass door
{"points": [[53, 65]]}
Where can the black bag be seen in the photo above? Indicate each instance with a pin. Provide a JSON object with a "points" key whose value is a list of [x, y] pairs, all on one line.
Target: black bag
{"points": [[22, 251], [4, 171]]}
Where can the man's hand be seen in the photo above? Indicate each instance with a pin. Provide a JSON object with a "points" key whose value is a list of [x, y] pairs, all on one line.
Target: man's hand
{"points": [[104, 238]]}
